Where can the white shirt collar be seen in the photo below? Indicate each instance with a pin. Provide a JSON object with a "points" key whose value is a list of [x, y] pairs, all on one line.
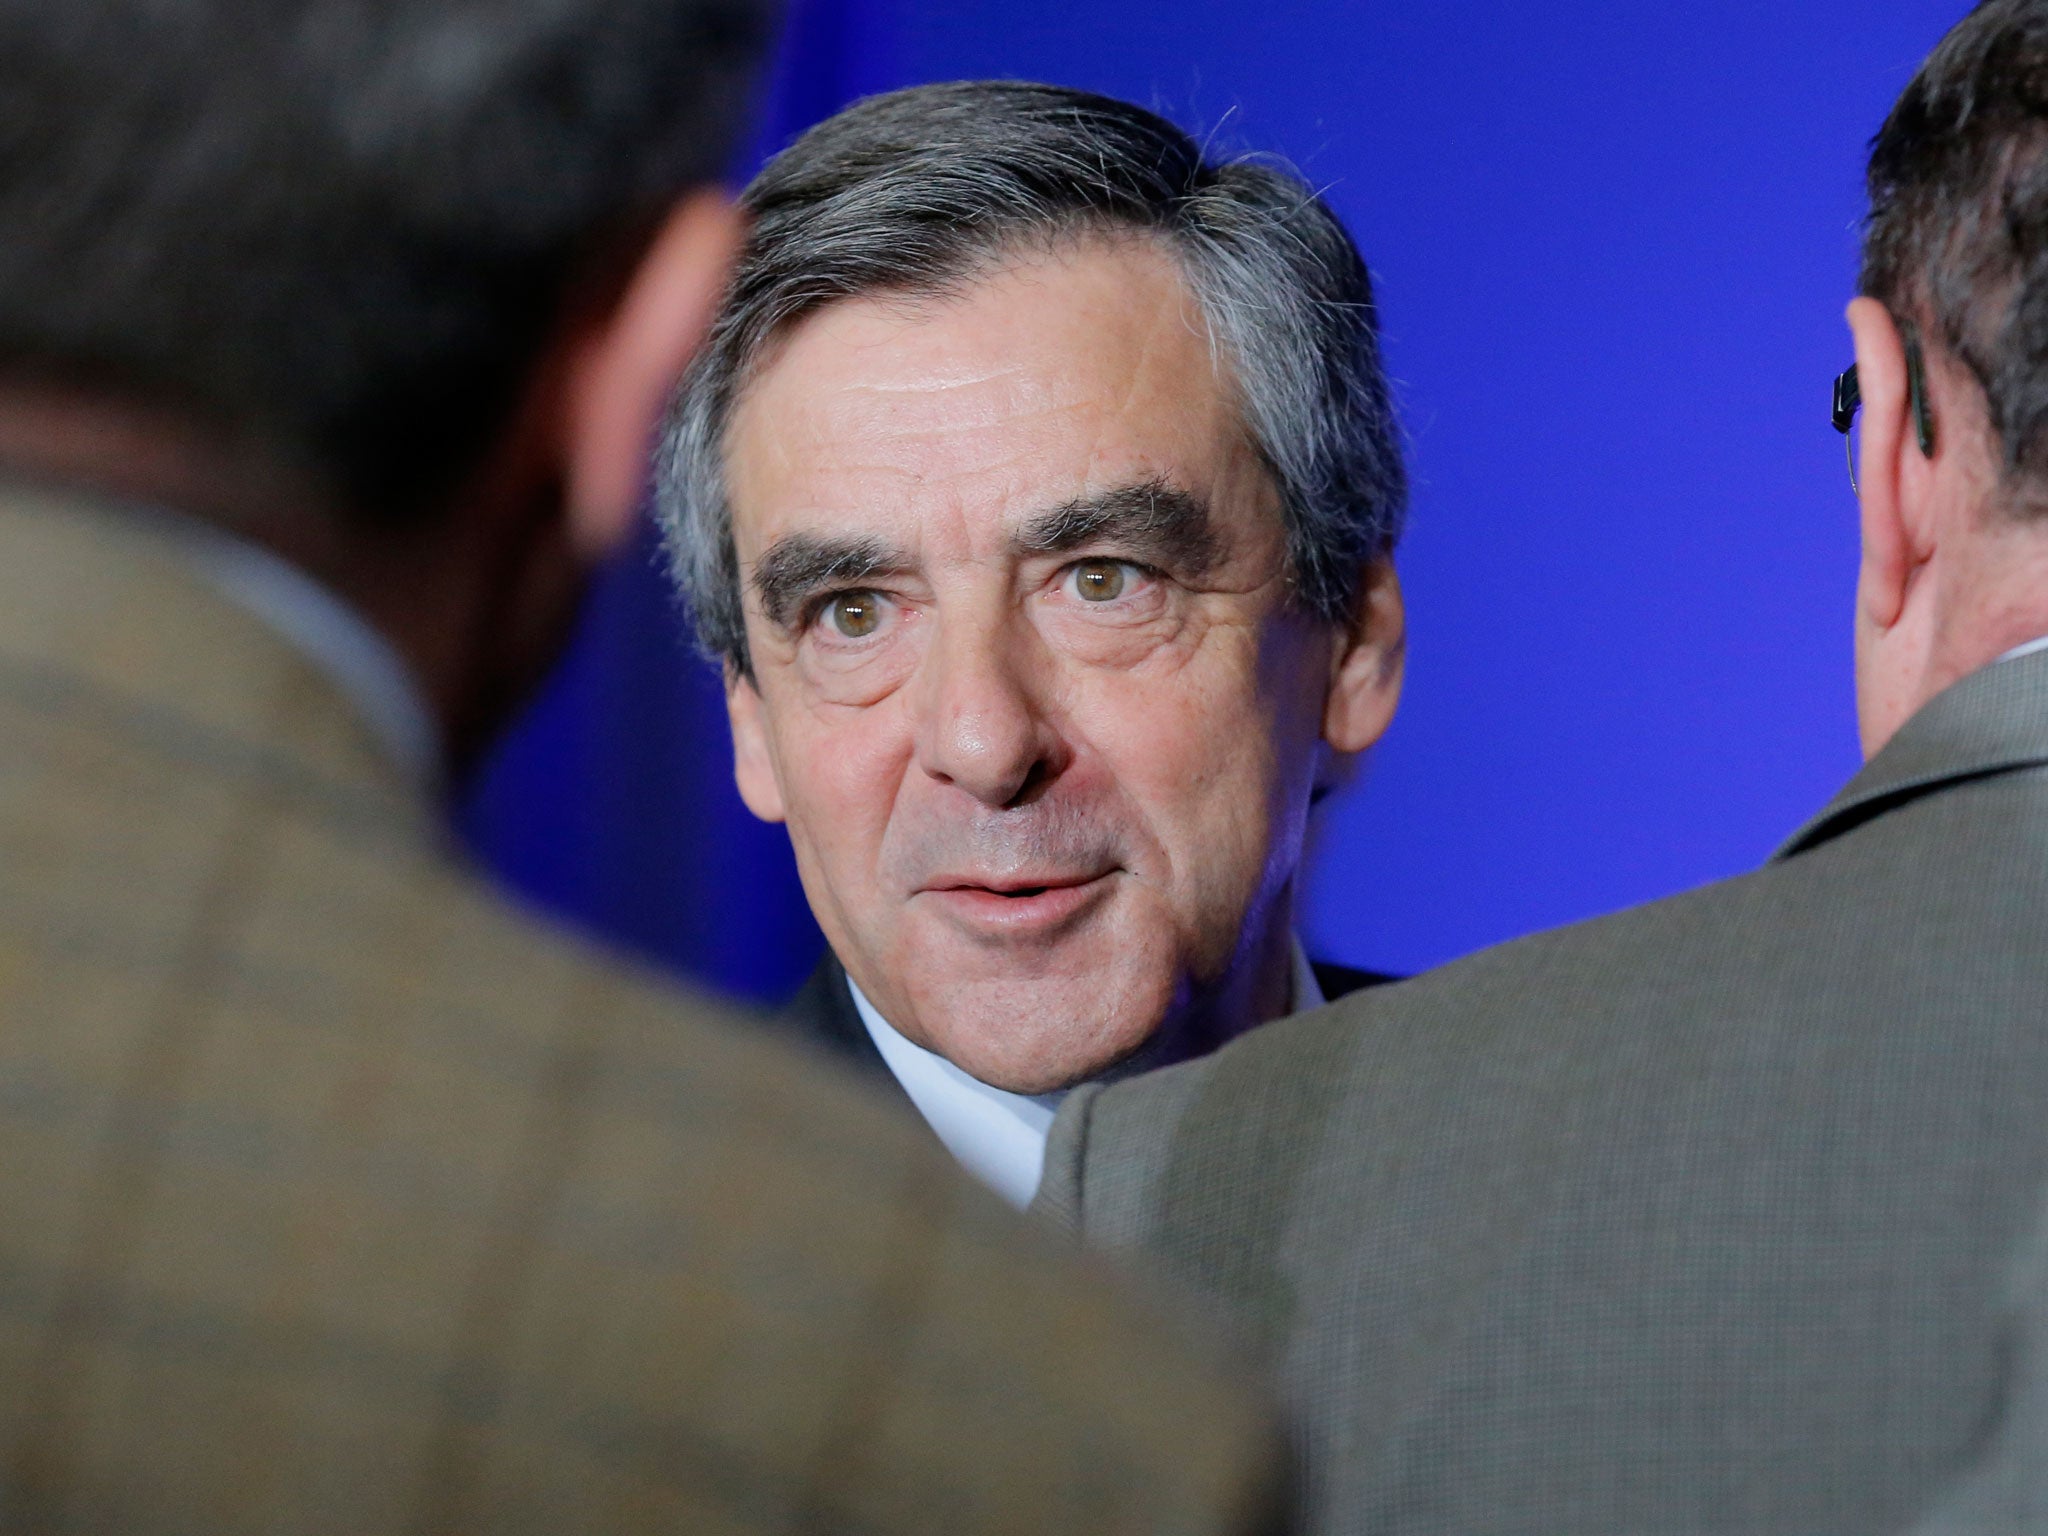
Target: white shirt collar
{"points": [[997, 1136], [2025, 650], [326, 631]]}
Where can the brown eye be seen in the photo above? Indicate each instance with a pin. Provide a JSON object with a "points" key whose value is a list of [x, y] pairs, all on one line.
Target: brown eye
{"points": [[856, 614], [1099, 581]]}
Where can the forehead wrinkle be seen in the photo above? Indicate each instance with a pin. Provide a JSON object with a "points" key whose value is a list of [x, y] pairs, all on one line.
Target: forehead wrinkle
{"points": [[895, 433], [1175, 319], [936, 381], [999, 390], [1009, 400]]}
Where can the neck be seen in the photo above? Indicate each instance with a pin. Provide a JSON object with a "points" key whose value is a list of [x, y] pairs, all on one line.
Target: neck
{"points": [[135, 453], [150, 457], [1982, 596], [1994, 599]]}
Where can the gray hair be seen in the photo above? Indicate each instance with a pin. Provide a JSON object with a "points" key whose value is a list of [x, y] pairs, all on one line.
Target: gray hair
{"points": [[919, 190]]}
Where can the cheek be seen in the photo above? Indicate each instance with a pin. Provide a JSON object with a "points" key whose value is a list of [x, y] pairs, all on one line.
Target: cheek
{"points": [[1194, 755], [840, 675], [839, 771]]}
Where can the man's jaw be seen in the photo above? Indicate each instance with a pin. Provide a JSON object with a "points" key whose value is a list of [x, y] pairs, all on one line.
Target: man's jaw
{"points": [[1034, 1014], [1036, 1034]]}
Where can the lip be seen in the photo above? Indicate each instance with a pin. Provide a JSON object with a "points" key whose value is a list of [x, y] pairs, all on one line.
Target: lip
{"points": [[1007, 912]]}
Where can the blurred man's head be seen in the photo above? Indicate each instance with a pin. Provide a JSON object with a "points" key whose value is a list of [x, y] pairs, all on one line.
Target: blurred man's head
{"points": [[1037, 491], [1952, 361], [395, 286]]}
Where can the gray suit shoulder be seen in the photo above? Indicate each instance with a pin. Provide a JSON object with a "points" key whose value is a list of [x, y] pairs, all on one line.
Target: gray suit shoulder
{"points": [[1121, 1154], [1114, 1146], [1738, 1170]]}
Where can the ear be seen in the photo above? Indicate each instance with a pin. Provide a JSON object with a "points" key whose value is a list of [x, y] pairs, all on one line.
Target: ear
{"points": [[622, 375], [1368, 664], [1897, 534], [753, 766]]}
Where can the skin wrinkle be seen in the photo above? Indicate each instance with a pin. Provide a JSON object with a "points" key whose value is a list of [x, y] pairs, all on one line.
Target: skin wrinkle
{"points": [[1153, 521], [1148, 347], [1282, 305], [995, 728]]}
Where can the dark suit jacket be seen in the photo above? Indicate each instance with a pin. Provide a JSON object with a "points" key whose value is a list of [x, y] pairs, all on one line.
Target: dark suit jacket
{"points": [[822, 1013], [1702, 1217], [336, 1195]]}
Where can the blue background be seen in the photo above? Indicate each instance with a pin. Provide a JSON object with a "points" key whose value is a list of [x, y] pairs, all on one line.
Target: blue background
{"points": [[1613, 242]]}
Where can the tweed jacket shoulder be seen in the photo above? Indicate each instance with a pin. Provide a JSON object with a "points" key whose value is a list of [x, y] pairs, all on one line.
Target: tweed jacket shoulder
{"points": [[1697, 1218], [337, 1196]]}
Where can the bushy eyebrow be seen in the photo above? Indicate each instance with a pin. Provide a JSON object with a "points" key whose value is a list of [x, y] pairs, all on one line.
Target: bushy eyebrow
{"points": [[1156, 521], [795, 569], [1153, 520]]}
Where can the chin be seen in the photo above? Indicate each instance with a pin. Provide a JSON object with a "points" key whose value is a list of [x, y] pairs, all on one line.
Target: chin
{"points": [[1036, 1043], [1033, 1076]]}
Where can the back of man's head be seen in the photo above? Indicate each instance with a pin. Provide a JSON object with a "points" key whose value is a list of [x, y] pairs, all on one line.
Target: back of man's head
{"points": [[1957, 239], [1952, 368], [339, 232]]}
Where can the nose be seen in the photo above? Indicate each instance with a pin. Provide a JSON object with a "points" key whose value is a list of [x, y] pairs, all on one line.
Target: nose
{"points": [[981, 724]]}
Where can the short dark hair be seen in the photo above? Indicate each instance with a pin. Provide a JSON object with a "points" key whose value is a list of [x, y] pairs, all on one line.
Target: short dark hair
{"points": [[919, 190], [341, 229], [1956, 244]]}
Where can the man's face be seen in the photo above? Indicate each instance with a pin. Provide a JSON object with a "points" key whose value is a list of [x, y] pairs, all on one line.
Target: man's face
{"points": [[1027, 687]]}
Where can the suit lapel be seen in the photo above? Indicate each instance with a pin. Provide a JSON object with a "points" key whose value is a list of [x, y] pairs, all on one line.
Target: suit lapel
{"points": [[1993, 721], [823, 1013]]}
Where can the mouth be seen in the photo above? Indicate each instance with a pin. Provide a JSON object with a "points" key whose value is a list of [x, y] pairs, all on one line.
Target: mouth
{"points": [[1014, 908]]}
